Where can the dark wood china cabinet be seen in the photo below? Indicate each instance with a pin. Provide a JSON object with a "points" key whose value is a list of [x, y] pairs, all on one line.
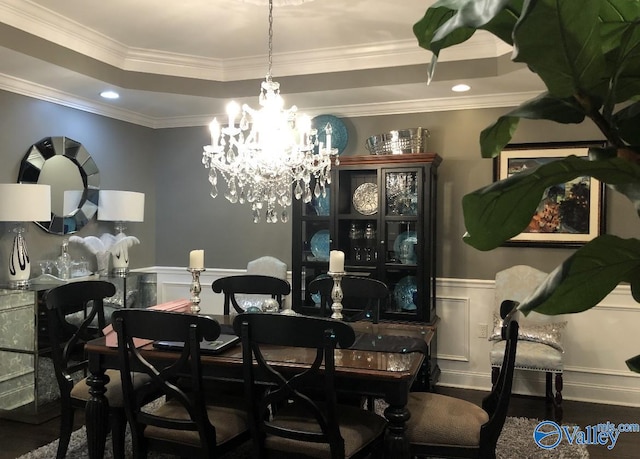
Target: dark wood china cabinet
{"points": [[380, 210]]}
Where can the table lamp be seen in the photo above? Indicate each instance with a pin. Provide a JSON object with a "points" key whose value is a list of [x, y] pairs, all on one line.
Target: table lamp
{"points": [[120, 207], [20, 203]]}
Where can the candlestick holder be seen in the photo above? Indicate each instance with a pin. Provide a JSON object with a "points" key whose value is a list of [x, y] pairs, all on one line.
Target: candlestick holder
{"points": [[336, 294], [195, 289]]}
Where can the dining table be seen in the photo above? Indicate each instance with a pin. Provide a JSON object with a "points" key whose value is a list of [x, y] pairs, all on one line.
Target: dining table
{"points": [[383, 363]]}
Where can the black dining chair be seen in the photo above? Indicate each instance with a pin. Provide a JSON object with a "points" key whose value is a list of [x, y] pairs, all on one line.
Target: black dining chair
{"points": [[185, 424], [364, 297], [443, 426], [75, 315], [249, 284], [299, 414]]}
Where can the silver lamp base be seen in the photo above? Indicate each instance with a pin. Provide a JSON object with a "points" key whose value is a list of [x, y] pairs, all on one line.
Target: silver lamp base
{"points": [[120, 272], [19, 284]]}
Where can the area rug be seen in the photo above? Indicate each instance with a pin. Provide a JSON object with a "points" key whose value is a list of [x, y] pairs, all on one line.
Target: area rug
{"points": [[516, 441]]}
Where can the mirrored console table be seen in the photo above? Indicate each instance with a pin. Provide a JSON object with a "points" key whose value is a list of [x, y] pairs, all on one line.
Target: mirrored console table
{"points": [[28, 387]]}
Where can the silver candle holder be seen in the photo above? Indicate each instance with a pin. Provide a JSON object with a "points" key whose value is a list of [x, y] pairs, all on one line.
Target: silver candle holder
{"points": [[336, 294], [195, 289]]}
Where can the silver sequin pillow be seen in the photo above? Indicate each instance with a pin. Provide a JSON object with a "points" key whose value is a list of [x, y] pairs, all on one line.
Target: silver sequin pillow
{"points": [[547, 333]]}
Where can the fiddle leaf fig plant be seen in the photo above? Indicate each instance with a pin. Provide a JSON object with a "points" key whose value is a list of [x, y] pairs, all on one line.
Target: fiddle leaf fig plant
{"points": [[587, 53]]}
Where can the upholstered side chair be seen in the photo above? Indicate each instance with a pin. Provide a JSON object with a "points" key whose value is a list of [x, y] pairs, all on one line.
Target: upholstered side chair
{"points": [[540, 347], [75, 315], [185, 424], [443, 426]]}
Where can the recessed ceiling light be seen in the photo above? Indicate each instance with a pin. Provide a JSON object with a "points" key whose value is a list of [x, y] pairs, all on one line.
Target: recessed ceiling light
{"points": [[110, 94], [461, 88]]}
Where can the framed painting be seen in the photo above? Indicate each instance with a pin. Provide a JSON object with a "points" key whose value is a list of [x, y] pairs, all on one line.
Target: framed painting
{"points": [[569, 214]]}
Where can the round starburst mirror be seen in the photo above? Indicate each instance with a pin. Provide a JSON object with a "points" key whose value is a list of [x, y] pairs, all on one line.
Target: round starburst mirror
{"points": [[68, 168]]}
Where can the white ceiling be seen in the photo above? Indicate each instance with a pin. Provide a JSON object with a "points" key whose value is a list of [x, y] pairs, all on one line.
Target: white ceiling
{"points": [[178, 63]]}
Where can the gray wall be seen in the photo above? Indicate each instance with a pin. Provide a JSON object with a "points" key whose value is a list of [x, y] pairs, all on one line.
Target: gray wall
{"points": [[123, 153], [181, 216], [193, 220]]}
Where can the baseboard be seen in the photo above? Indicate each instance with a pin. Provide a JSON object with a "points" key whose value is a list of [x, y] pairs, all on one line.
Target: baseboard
{"points": [[529, 383]]}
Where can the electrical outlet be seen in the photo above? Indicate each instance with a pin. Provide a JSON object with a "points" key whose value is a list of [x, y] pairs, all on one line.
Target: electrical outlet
{"points": [[482, 330]]}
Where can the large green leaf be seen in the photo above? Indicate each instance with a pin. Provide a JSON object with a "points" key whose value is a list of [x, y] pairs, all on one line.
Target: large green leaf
{"points": [[634, 363], [563, 50], [630, 189], [502, 210], [584, 279], [627, 121], [626, 78], [450, 22], [425, 29], [494, 138]]}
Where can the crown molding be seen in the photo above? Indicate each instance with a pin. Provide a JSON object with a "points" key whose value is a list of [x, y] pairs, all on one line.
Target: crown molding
{"points": [[40, 92], [51, 26], [379, 109]]}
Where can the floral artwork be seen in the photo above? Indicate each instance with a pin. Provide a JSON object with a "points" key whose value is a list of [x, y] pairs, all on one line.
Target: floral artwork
{"points": [[569, 213]]}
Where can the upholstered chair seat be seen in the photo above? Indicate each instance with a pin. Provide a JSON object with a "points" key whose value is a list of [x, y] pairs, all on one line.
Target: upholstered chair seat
{"points": [[80, 390], [442, 426], [356, 427], [228, 419], [530, 356]]}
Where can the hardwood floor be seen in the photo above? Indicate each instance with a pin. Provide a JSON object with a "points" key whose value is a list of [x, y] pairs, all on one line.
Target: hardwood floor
{"points": [[18, 438]]}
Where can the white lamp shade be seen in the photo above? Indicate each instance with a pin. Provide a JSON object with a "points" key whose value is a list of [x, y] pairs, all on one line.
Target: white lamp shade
{"points": [[121, 206], [25, 202]]}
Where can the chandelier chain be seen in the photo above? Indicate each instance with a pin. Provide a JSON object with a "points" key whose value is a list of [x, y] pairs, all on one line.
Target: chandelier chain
{"points": [[270, 38]]}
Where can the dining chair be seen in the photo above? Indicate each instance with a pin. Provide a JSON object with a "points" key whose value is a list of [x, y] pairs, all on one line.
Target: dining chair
{"points": [[541, 337], [299, 414], [443, 426], [75, 315], [232, 286], [184, 424], [363, 297]]}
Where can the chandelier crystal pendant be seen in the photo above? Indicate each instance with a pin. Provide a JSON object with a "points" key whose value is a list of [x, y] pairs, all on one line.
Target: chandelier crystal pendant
{"points": [[268, 153]]}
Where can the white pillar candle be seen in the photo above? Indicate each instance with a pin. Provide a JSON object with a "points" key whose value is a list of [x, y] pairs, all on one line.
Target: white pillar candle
{"points": [[336, 261], [196, 259], [214, 128]]}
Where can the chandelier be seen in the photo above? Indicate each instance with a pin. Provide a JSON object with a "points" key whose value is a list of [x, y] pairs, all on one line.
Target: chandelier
{"points": [[269, 154]]}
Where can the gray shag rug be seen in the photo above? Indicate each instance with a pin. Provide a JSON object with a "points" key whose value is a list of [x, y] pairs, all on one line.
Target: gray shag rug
{"points": [[516, 440]]}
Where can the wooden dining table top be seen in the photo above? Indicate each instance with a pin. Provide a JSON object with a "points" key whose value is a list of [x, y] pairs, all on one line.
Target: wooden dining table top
{"points": [[375, 361]]}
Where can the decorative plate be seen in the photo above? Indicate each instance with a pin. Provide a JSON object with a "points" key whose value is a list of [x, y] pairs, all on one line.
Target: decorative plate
{"points": [[365, 199], [339, 136], [405, 247], [403, 293], [320, 245]]}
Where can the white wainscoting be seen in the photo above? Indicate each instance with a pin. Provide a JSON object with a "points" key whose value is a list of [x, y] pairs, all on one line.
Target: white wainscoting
{"points": [[597, 342]]}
